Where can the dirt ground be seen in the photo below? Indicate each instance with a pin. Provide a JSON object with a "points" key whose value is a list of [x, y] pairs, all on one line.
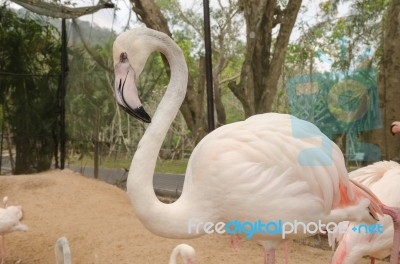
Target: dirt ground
{"points": [[99, 223]]}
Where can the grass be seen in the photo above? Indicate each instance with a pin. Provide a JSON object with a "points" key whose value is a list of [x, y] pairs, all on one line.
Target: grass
{"points": [[172, 166], [162, 166]]}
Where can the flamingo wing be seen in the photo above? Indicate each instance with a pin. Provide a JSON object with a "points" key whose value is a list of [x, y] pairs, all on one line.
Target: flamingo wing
{"points": [[265, 156]]}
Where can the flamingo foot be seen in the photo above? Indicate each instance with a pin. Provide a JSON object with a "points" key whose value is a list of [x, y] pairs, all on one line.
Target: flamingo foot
{"points": [[234, 242], [394, 213], [269, 256], [372, 260]]}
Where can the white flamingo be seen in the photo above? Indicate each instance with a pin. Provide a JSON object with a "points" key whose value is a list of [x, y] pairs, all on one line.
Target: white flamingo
{"points": [[245, 171], [383, 178], [186, 252], [10, 217], [62, 251]]}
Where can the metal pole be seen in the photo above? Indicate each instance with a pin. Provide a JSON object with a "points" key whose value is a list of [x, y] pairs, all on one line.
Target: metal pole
{"points": [[1, 144], [209, 78], [2, 136], [64, 69]]}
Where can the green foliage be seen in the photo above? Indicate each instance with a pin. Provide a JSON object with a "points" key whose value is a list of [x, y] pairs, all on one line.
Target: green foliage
{"points": [[92, 112], [339, 105], [162, 166], [227, 43], [29, 51], [326, 6], [90, 106]]}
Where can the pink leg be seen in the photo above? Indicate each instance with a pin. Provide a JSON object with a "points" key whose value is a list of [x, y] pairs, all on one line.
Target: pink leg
{"points": [[372, 260], [2, 250], [2, 243], [395, 215], [286, 252], [269, 256], [234, 242]]}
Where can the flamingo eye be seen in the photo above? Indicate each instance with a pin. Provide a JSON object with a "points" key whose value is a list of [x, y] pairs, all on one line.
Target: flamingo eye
{"points": [[123, 57]]}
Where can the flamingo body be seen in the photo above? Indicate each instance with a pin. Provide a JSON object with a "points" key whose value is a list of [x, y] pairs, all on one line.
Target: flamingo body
{"points": [[268, 167], [259, 159], [10, 219], [383, 178]]}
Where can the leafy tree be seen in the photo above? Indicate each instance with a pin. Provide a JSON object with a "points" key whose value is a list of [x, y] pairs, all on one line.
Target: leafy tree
{"points": [[265, 54], [90, 94], [227, 46], [192, 107], [356, 43], [389, 79], [29, 61]]}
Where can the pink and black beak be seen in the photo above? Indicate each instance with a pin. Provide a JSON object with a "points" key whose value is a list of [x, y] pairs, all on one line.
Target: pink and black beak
{"points": [[125, 89], [395, 127]]}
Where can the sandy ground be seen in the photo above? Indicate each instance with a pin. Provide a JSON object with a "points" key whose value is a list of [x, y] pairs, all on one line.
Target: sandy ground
{"points": [[99, 223]]}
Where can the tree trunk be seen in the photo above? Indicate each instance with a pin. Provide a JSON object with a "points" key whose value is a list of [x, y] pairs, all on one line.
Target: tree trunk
{"points": [[388, 85], [96, 151], [150, 14], [265, 56], [22, 150]]}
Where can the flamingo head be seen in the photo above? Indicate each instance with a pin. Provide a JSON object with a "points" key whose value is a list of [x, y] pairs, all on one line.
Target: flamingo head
{"points": [[187, 253], [5, 202], [125, 89], [395, 127]]}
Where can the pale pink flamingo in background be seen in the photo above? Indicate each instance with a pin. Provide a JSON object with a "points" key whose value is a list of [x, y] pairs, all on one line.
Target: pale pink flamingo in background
{"points": [[395, 127], [186, 252], [62, 251], [383, 178], [245, 171], [10, 217]]}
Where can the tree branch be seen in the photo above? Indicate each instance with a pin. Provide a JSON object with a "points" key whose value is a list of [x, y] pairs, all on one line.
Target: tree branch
{"points": [[53, 9]]}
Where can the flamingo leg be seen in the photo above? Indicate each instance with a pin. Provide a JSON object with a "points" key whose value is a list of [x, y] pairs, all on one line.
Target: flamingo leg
{"points": [[2, 250], [372, 260], [269, 256], [234, 242], [394, 213], [286, 252]]}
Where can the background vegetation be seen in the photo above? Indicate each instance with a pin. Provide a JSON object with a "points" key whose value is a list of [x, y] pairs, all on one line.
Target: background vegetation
{"points": [[252, 66]]}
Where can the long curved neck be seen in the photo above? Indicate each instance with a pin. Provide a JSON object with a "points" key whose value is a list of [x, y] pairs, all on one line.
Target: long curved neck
{"points": [[167, 220], [174, 254]]}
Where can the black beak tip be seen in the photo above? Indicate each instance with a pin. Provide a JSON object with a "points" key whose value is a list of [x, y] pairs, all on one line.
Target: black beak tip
{"points": [[141, 114], [148, 121], [138, 113]]}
